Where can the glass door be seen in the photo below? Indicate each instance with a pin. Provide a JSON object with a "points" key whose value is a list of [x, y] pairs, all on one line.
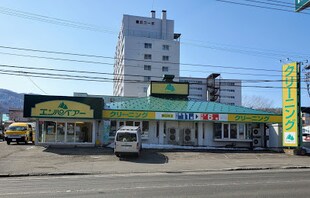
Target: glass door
{"points": [[71, 132], [60, 135]]}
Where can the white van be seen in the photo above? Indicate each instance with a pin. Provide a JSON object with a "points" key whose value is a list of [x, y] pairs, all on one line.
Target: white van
{"points": [[128, 141]]}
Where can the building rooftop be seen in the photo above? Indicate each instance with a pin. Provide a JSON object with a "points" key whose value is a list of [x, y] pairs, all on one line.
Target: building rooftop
{"points": [[172, 105]]}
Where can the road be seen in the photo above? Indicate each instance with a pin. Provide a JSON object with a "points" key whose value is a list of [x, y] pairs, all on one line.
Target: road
{"points": [[289, 183]]}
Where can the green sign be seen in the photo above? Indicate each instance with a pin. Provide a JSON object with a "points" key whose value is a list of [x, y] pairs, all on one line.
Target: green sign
{"points": [[301, 4]]}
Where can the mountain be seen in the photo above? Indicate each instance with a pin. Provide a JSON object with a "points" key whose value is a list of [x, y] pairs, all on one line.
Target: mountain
{"points": [[10, 100]]}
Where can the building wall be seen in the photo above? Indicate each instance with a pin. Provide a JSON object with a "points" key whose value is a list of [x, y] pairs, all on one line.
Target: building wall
{"points": [[230, 90], [201, 134], [139, 38]]}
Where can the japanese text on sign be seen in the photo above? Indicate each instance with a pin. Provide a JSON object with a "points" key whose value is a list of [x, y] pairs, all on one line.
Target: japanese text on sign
{"points": [[289, 97], [129, 114]]}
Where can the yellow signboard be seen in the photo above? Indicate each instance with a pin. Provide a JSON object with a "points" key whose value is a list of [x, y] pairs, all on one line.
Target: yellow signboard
{"points": [[115, 114], [289, 104], [63, 109], [169, 88], [254, 118]]}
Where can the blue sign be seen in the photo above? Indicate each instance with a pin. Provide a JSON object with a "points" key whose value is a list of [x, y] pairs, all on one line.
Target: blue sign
{"points": [[185, 116]]}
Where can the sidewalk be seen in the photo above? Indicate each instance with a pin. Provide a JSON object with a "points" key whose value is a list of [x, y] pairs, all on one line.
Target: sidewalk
{"points": [[24, 160]]}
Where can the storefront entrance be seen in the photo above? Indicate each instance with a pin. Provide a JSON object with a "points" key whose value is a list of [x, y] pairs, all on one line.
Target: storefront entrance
{"points": [[53, 131]]}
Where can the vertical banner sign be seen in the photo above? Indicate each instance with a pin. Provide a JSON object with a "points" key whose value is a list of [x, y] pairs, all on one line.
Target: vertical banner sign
{"points": [[290, 104]]}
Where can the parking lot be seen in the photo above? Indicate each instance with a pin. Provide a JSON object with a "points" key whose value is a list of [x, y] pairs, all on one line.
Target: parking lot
{"points": [[20, 159]]}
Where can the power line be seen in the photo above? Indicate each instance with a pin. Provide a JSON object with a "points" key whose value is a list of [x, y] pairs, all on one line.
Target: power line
{"points": [[75, 24], [252, 52], [68, 77], [139, 60], [104, 63], [53, 20], [24, 71], [259, 6], [35, 84]]}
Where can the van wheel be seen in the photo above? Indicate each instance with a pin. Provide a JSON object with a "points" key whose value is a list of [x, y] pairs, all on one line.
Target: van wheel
{"points": [[118, 155], [8, 142]]}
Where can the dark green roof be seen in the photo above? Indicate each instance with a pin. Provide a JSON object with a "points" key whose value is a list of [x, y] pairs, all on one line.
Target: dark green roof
{"points": [[172, 105]]}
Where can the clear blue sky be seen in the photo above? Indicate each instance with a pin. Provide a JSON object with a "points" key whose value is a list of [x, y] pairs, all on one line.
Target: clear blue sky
{"points": [[213, 33]]}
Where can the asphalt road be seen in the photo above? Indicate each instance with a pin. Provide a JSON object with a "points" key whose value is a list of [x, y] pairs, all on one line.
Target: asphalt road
{"points": [[289, 183]]}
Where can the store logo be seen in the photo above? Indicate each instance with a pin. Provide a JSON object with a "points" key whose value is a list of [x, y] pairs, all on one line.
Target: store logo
{"points": [[170, 88], [62, 105], [289, 138]]}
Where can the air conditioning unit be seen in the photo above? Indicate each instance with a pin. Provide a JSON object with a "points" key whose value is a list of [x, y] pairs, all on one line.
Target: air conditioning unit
{"points": [[257, 132], [172, 136], [188, 136], [257, 142]]}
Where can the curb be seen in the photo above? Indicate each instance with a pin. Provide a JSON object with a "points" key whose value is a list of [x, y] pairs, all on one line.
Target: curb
{"points": [[160, 172]]}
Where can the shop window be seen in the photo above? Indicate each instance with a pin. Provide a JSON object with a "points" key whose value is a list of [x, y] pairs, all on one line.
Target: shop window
{"points": [[157, 129], [121, 124], [71, 137], [226, 131], [60, 134], [203, 130], [65, 132], [217, 128], [196, 130], [129, 123], [112, 128], [233, 131], [248, 131], [47, 131], [241, 130], [145, 128]]}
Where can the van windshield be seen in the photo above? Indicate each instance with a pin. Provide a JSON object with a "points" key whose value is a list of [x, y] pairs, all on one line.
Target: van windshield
{"points": [[17, 128], [126, 137]]}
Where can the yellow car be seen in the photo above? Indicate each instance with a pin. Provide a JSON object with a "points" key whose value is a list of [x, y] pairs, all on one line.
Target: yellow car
{"points": [[20, 132]]}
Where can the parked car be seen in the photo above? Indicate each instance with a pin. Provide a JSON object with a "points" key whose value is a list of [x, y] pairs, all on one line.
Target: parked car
{"points": [[128, 141], [20, 132]]}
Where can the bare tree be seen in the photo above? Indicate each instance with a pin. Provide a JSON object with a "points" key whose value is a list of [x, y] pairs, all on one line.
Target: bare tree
{"points": [[260, 103]]}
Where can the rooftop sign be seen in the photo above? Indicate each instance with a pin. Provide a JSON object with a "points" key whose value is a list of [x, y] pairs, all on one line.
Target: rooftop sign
{"points": [[301, 5], [169, 88]]}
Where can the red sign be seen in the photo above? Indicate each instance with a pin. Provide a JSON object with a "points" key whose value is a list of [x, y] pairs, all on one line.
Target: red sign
{"points": [[210, 116]]}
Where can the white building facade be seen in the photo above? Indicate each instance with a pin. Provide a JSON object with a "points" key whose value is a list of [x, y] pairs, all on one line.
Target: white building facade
{"points": [[229, 91], [147, 49]]}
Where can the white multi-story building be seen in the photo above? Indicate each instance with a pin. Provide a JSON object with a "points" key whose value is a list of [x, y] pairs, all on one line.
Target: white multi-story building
{"points": [[229, 91], [147, 49]]}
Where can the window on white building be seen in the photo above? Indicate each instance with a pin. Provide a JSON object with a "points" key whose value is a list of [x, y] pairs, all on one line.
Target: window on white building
{"points": [[165, 47], [232, 131], [147, 67], [165, 58], [165, 69], [148, 56], [147, 78], [148, 45]]}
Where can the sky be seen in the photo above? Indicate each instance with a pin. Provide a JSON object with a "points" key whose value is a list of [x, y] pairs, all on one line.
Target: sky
{"points": [[243, 42]]}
